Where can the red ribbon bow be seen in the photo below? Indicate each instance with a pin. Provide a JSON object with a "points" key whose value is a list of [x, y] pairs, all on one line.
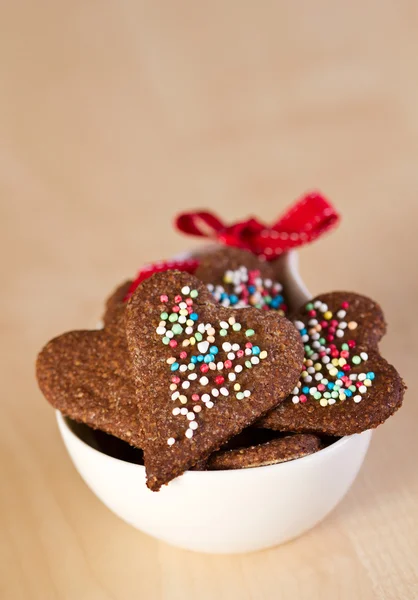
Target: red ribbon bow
{"points": [[306, 220]]}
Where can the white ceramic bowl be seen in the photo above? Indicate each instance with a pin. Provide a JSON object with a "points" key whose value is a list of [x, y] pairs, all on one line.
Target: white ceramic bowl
{"points": [[226, 511]]}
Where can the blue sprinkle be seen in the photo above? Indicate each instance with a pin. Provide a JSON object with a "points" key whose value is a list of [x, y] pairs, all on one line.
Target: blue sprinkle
{"points": [[330, 386], [340, 374], [305, 390], [256, 350], [348, 393], [278, 299], [214, 349], [200, 358], [370, 375], [233, 299], [194, 316], [303, 331], [175, 366], [224, 296], [194, 359], [251, 289], [209, 358]]}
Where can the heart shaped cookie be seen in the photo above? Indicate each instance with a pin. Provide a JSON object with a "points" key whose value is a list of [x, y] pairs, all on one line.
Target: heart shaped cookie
{"points": [[238, 279], [87, 376], [202, 372], [278, 450], [346, 386]]}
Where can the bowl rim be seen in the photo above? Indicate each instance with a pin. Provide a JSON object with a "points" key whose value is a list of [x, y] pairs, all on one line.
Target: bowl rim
{"points": [[291, 464]]}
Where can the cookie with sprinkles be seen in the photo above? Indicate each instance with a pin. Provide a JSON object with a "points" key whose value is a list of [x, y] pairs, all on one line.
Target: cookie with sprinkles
{"points": [[278, 450], [202, 372], [238, 278], [346, 386]]}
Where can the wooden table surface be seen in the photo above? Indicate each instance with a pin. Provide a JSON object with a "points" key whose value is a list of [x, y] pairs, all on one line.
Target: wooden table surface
{"points": [[115, 115]]}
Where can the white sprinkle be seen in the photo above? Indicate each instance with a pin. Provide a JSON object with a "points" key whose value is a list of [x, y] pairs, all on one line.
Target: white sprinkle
{"points": [[205, 398], [193, 425], [295, 400], [317, 304], [255, 360], [161, 331], [235, 347], [226, 346], [343, 325], [183, 411], [307, 379], [192, 376], [295, 391], [339, 333], [316, 345], [169, 334], [353, 377], [190, 416], [364, 355], [212, 366], [325, 359], [231, 320], [362, 389], [224, 324], [318, 376], [203, 347], [175, 395], [209, 405], [171, 441], [201, 328], [357, 399], [232, 376], [341, 314], [238, 369], [299, 325], [183, 368], [189, 433], [362, 376], [185, 290], [231, 355], [311, 370], [313, 322], [247, 393], [189, 330], [182, 319], [305, 338], [176, 411], [331, 401], [185, 385], [224, 391], [197, 408], [248, 351], [215, 392], [324, 307], [203, 380]]}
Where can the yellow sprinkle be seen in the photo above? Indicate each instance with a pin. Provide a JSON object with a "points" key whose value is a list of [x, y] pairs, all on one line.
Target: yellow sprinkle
{"points": [[342, 396], [237, 387], [183, 399], [317, 366], [192, 341], [335, 362], [305, 373], [323, 402], [183, 312], [333, 372], [328, 316], [367, 382], [342, 362], [186, 343], [263, 354]]}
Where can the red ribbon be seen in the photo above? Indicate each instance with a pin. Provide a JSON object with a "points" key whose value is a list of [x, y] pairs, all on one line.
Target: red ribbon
{"points": [[304, 222]]}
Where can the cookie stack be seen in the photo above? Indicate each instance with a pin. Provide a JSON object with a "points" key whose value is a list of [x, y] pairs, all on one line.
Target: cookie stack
{"points": [[203, 365]]}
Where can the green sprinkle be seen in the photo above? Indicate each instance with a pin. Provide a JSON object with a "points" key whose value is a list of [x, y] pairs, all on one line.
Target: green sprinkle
{"points": [[194, 294], [198, 336], [345, 347], [173, 317], [236, 326], [240, 396], [249, 332], [164, 316], [165, 340], [352, 388], [356, 360], [223, 332], [248, 364], [317, 395], [307, 349], [327, 395], [177, 328], [309, 306], [334, 394], [322, 341]]}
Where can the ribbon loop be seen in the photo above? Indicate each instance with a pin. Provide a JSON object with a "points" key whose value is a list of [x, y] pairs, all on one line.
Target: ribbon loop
{"points": [[305, 221]]}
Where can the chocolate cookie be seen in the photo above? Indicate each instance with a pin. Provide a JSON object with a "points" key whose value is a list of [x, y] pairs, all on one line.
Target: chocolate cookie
{"points": [[346, 386], [278, 450], [238, 279], [202, 372], [116, 302], [87, 376]]}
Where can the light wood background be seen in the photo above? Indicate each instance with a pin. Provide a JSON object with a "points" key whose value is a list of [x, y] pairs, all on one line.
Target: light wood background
{"points": [[113, 116]]}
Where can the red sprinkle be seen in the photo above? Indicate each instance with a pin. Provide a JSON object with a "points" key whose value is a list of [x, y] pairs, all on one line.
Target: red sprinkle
{"points": [[302, 398], [195, 397], [219, 379], [344, 353], [321, 387], [335, 353], [173, 343], [228, 363], [324, 324], [175, 309], [351, 343], [312, 313], [248, 345], [240, 353], [204, 368], [177, 299], [346, 368], [345, 305], [330, 338], [164, 298], [183, 354], [334, 323], [175, 379], [189, 301]]}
